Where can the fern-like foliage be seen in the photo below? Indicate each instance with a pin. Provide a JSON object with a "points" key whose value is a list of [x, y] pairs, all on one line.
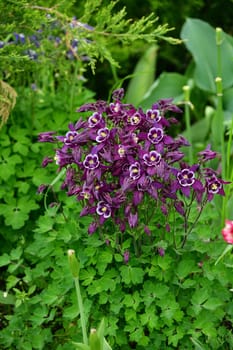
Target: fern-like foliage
{"points": [[97, 31]]}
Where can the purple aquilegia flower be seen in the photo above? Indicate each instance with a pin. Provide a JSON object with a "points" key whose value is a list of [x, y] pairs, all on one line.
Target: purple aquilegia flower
{"points": [[186, 177], [207, 154], [214, 186], [186, 181], [134, 171], [91, 161], [103, 209], [102, 135], [133, 220], [135, 119], [155, 135], [95, 120], [152, 158], [47, 136], [70, 137], [153, 115], [126, 256]]}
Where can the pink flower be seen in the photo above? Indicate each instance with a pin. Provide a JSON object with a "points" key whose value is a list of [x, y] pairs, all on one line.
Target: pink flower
{"points": [[227, 232]]}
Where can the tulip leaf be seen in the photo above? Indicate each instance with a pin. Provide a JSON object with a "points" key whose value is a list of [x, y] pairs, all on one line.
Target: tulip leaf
{"points": [[200, 39], [168, 85], [143, 76]]}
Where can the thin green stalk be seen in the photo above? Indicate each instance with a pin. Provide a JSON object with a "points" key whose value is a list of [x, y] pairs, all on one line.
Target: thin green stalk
{"points": [[73, 85], [219, 40], [229, 174], [74, 268], [81, 310], [220, 122], [186, 90], [194, 223]]}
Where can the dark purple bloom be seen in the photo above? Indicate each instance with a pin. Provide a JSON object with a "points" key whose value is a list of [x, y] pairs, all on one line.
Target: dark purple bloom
{"points": [[91, 161], [147, 230], [95, 119], [41, 188], [152, 158], [102, 135], [103, 209], [135, 119], [155, 135], [2, 44], [46, 161], [92, 228], [186, 177], [121, 151], [118, 94], [215, 186], [174, 156], [62, 158], [161, 251], [179, 206], [133, 219], [47, 136], [166, 105], [134, 171], [207, 154], [70, 137], [126, 256], [153, 115]]}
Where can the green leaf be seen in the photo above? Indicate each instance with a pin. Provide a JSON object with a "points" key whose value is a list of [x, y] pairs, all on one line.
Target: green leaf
{"points": [[200, 39], [143, 76], [212, 303], [16, 211], [11, 281], [80, 346], [106, 346], [132, 275], [4, 259], [186, 267], [6, 298], [104, 258], [168, 85]]}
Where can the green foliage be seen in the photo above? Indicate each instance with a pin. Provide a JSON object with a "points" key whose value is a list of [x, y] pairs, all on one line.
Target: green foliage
{"points": [[146, 303]]}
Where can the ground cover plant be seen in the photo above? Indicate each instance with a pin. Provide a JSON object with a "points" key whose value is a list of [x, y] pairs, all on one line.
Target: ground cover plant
{"points": [[138, 185]]}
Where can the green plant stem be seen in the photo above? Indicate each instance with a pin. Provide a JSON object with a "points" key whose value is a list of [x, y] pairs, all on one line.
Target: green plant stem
{"points": [[229, 174], [194, 223], [81, 310], [186, 90], [220, 122], [73, 85]]}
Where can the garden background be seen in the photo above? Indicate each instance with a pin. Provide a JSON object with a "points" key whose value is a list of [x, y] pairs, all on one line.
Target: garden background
{"points": [[152, 291]]}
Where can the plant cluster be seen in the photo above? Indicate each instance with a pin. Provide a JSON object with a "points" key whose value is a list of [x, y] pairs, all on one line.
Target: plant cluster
{"points": [[122, 160]]}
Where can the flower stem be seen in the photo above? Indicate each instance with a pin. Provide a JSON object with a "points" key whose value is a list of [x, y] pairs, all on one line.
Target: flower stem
{"points": [[193, 224], [186, 90], [81, 310]]}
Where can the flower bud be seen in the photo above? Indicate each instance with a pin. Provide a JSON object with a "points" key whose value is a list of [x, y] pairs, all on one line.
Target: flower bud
{"points": [[73, 262], [94, 340]]}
